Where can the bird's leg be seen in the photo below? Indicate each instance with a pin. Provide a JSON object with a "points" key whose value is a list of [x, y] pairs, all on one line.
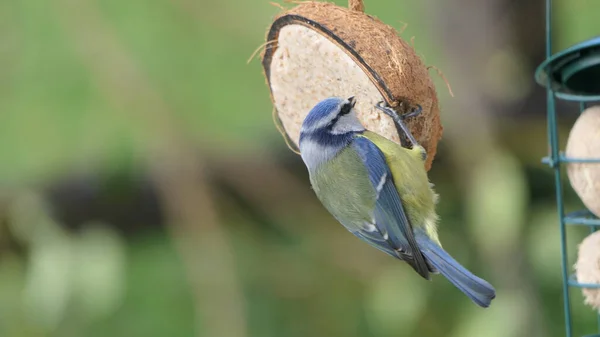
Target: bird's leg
{"points": [[399, 119]]}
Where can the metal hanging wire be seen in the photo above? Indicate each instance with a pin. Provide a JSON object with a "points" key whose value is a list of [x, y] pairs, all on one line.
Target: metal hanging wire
{"points": [[571, 75]]}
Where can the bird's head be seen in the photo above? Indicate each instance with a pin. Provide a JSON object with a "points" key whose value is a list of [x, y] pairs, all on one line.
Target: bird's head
{"points": [[327, 129], [334, 116]]}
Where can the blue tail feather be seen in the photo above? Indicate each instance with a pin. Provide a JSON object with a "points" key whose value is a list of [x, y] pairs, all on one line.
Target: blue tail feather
{"points": [[477, 289]]}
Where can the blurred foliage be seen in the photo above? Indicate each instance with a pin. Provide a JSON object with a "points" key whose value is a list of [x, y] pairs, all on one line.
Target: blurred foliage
{"points": [[85, 249]]}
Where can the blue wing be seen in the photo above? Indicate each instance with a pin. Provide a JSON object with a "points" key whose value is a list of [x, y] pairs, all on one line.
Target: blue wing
{"points": [[392, 232]]}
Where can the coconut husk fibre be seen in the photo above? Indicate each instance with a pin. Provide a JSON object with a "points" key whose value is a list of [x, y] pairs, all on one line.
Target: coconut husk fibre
{"points": [[584, 142], [322, 50], [587, 268]]}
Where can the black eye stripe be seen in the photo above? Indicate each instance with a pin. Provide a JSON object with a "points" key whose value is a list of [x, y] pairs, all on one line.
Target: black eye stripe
{"points": [[346, 108], [333, 121]]}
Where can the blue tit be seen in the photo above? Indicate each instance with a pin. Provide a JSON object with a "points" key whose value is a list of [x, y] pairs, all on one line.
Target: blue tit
{"points": [[380, 192]]}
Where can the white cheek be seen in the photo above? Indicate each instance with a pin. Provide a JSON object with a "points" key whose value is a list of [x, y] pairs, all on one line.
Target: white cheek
{"points": [[313, 154], [347, 123]]}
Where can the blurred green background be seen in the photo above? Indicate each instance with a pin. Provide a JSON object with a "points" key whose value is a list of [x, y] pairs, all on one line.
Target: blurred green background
{"points": [[144, 190]]}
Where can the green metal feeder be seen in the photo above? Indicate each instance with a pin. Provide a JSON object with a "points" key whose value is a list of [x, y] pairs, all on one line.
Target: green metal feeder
{"points": [[573, 75], [574, 72]]}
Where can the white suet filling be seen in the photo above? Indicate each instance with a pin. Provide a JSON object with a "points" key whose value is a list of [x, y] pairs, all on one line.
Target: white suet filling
{"points": [[307, 68]]}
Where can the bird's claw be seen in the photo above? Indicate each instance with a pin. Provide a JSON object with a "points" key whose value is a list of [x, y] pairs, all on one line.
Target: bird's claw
{"points": [[413, 113], [399, 119], [392, 113]]}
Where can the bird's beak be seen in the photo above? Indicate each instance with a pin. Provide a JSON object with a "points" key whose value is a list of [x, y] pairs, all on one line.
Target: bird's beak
{"points": [[352, 101]]}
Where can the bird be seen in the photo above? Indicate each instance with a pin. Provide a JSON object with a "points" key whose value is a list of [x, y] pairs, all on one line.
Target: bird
{"points": [[380, 191]]}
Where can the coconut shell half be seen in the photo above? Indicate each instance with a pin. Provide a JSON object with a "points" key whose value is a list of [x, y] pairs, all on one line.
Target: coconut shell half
{"points": [[318, 50]]}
